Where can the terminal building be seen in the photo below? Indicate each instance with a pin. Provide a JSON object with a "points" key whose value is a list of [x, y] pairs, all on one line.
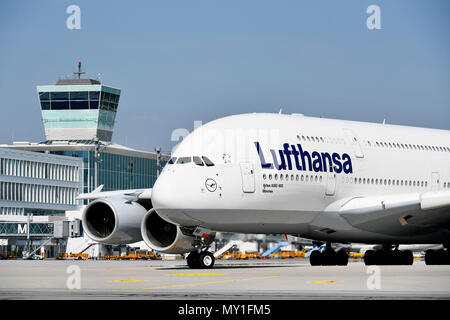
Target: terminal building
{"points": [[77, 156]]}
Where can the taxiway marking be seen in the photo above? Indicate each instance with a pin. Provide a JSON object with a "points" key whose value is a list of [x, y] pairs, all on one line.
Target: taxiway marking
{"points": [[209, 282], [326, 281]]}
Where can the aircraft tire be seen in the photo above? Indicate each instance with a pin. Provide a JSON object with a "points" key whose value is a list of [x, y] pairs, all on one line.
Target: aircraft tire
{"points": [[206, 260], [369, 258], [407, 257], [341, 258], [193, 260], [315, 259]]}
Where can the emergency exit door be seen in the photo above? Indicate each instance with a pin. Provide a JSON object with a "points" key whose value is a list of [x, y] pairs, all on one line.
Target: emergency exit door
{"points": [[248, 177], [435, 181], [353, 139], [331, 184]]}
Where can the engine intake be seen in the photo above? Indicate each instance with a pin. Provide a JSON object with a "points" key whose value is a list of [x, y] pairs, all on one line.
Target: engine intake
{"points": [[166, 237], [113, 221]]}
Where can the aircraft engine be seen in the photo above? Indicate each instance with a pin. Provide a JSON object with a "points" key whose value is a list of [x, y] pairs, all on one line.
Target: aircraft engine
{"points": [[167, 237], [113, 221]]}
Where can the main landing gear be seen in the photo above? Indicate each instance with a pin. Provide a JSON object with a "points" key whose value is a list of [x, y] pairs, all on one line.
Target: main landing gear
{"points": [[437, 257], [200, 260], [329, 257], [386, 256]]}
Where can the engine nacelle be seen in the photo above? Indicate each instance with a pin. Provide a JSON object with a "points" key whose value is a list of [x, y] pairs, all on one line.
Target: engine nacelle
{"points": [[167, 237], [113, 221]]}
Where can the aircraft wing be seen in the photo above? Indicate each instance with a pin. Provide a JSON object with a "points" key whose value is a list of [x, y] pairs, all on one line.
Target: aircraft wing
{"points": [[132, 193], [400, 214]]}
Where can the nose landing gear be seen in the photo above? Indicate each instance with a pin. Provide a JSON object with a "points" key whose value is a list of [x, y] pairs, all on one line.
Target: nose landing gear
{"points": [[200, 260]]}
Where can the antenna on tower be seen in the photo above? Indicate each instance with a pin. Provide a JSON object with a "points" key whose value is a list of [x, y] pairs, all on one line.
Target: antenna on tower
{"points": [[79, 72]]}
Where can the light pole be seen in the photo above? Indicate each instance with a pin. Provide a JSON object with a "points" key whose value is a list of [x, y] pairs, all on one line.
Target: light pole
{"points": [[158, 160]]}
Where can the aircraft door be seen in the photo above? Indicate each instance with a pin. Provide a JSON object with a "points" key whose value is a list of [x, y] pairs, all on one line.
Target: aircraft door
{"points": [[355, 143], [435, 181], [248, 177], [331, 184]]}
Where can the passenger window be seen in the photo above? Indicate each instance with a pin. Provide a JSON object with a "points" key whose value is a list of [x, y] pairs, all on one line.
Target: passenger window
{"points": [[198, 161], [183, 160], [172, 160], [208, 162]]}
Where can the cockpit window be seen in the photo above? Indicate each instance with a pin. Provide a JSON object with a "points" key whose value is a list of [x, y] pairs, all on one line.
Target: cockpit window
{"points": [[183, 160], [208, 162], [172, 160], [198, 161]]}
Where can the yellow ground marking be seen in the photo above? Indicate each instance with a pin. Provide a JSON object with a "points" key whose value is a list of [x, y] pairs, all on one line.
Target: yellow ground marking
{"points": [[197, 274], [326, 281], [210, 282], [125, 280]]}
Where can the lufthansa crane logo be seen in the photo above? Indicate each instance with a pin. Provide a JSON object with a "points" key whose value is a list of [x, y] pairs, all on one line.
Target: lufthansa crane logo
{"points": [[211, 185]]}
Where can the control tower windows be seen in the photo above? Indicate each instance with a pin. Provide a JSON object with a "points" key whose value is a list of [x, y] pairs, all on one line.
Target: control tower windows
{"points": [[93, 104], [77, 100], [44, 95], [94, 95], [59, 96], [59, 105], [76, 105], [45, 105], [79, 95]]}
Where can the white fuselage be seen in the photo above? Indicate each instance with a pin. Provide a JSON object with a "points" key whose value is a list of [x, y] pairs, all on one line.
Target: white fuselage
{"points": [[291, 174]]}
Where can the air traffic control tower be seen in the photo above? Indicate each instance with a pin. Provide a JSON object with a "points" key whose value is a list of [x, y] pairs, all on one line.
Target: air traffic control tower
{"points": [[78, 115], [78, 109]]}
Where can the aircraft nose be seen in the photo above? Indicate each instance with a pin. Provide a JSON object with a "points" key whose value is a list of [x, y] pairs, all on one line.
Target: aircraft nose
{"points": [[170, 198], [162, 194]]}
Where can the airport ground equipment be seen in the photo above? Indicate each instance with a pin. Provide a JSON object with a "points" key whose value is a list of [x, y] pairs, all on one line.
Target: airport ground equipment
{"points": [[317, 248], [238, 255], [227, 247], [145, 255], [32, 254], [275, 248], [73, 256]]}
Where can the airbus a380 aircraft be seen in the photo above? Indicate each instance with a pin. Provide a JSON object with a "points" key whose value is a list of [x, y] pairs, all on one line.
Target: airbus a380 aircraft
{"points": [[328, 180]]}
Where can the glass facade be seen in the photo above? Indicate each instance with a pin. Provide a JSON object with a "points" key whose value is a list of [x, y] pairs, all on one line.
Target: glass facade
{"points": [[38, 183], [115, 172]]}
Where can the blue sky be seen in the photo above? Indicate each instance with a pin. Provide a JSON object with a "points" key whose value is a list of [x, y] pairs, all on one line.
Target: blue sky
{"points": [[181, 61]]}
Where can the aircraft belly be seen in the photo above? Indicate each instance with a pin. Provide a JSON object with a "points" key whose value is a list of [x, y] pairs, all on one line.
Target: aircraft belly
{"points": [[252, 220]]}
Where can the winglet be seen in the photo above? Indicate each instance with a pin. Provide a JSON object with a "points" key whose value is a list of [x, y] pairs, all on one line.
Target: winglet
{"points": [[98, 189]]}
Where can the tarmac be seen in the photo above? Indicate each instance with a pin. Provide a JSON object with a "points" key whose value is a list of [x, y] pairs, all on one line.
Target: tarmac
{"points": [[276, 279]]}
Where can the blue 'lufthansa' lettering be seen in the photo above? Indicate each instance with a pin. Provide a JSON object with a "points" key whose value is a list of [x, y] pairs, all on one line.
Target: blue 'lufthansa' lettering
{"points": [[304, 160]]}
